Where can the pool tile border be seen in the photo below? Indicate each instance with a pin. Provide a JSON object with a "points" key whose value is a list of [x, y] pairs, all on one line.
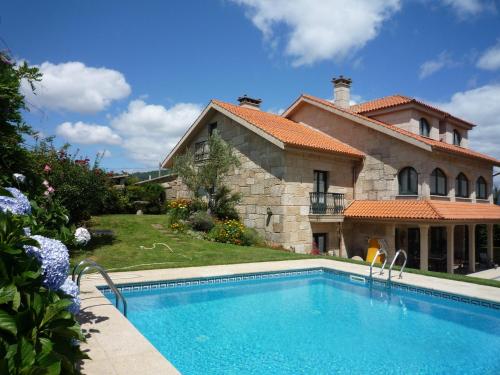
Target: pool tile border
{"points": [[161, 284]]}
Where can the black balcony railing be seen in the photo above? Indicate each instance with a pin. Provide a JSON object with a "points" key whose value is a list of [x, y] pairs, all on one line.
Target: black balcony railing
{"points": [[326, 203]]}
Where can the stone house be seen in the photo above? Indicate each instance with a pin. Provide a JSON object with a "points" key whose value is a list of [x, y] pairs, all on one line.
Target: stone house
{"points": [[330, 176]]}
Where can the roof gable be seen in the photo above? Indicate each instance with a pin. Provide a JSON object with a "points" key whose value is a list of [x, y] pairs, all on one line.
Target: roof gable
{"points": [[392, 101], [276, 129], [402, 134]]}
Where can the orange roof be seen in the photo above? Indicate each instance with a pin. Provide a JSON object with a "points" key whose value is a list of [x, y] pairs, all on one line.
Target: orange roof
{"points": [[422, 210], [431, 142], [290, 132], [380, 103], [395, 100]]}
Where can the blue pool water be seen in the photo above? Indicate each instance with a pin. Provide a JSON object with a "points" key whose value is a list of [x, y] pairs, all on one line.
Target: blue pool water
{"points": [[315, 324]]}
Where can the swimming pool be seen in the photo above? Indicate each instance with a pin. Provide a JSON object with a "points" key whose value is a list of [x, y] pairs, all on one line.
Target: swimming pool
{"points": [[313, 322]]}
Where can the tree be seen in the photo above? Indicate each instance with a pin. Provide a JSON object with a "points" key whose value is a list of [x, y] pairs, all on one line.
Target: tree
{"points": [[14, 157], [206, 177]]}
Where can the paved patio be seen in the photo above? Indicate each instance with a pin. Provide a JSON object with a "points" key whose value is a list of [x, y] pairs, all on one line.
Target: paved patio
{"points": [[492, 274], [118, 348]]}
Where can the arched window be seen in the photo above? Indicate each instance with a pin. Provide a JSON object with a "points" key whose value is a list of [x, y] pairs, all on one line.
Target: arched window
{"points": [[438, 182], [425, 128], [408, 181], [462, 186], [457, 138], [481, 188]]}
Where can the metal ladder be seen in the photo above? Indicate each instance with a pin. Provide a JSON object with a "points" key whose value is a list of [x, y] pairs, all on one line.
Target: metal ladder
{"points": [[88, 264], [400, 251], [377, 254]]}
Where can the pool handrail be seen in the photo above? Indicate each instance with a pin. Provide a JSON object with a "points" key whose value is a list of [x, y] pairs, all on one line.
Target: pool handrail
{"points": [[377, 254], [400, 251], [93, 265]]}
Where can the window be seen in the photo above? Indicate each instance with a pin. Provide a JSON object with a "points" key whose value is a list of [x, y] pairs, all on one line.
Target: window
{"points": [[201, 151], [481, 188], [457, 138], [438, 182], [408, 181], [425, 128], [211, 128], [320, 182], [319, 242], [462, 186]]}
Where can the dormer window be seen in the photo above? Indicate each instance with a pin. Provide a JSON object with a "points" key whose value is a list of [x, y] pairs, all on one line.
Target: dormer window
{"points": [[457, 138], [425, 128]]}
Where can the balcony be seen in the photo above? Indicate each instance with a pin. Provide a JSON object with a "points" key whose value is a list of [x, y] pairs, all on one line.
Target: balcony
{"points": [[326, 207]]}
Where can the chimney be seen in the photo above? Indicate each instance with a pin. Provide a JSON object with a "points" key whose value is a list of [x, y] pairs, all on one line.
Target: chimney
{"points": [[342, 91], [247, 102]]}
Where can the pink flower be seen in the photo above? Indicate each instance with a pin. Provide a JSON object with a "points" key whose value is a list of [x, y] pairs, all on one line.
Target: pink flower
{"points": [[46, 193], [47, 168], [45, 183], [50, 189]]}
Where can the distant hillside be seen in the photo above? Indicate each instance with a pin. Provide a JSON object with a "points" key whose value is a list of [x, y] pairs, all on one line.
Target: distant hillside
{"points": [[145, 175]]}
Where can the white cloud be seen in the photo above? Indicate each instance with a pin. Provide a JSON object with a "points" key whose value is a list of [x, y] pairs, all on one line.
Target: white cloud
{"points": [[468, 7], [105, 153], [430, 67], [75, 87], [490, 60], [151, 131], [480, 106], [320, 29], [83, 133]]}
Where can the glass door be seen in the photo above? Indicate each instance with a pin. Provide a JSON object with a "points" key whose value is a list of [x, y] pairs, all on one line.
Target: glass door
{"points": [[319, 189]]}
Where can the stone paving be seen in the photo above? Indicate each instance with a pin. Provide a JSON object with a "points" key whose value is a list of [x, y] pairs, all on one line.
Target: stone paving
{"points": [[118, 348]]}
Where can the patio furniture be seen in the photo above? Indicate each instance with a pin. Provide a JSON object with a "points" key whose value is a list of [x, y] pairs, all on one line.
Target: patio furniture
{"points": [[486, 262]]}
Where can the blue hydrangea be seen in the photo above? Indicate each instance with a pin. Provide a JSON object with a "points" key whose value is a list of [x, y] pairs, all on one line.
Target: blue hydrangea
{"points": [[18, 204], [70, 288], [54, 257]]}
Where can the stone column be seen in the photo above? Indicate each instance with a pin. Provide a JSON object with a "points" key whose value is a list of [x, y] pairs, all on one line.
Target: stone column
{"points": [[472, 247], [390, 236], [489, 229], [424, 247], [450, 247]]}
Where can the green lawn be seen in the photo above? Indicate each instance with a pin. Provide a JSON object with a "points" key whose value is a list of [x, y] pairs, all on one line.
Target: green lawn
{"points": [[133, 231]]}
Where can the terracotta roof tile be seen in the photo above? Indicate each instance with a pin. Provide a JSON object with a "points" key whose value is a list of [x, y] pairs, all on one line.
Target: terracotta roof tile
{"points": [[395, 100], [422, 210], [290, 132], [380, 103], [431, 142]]}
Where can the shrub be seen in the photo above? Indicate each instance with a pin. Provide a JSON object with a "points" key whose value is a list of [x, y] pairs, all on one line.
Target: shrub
{"points": [[223, 204], [251, 237], [38, 330], [228, 231], [201, 221], [178, 209]]}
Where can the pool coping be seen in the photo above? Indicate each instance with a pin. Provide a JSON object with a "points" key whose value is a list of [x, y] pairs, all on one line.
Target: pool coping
{"points": [[117, 347]]}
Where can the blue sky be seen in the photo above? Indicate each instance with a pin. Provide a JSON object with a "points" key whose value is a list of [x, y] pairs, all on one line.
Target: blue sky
{"points": [[129, 77]]}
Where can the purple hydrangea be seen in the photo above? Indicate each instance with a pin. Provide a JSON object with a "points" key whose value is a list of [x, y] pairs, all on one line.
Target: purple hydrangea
{"points": [[18, 204], [70, 288], [54, 257]]}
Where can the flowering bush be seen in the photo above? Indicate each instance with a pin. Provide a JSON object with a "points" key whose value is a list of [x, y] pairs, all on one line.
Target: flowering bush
{"points": [[54, 258], [71, 289], [228, 231], [82, 236], [177, 210], [17, 204], [38, 329]]}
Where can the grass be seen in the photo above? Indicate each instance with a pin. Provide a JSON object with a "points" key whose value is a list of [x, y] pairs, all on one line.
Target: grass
{"points": [[132, 231]]}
